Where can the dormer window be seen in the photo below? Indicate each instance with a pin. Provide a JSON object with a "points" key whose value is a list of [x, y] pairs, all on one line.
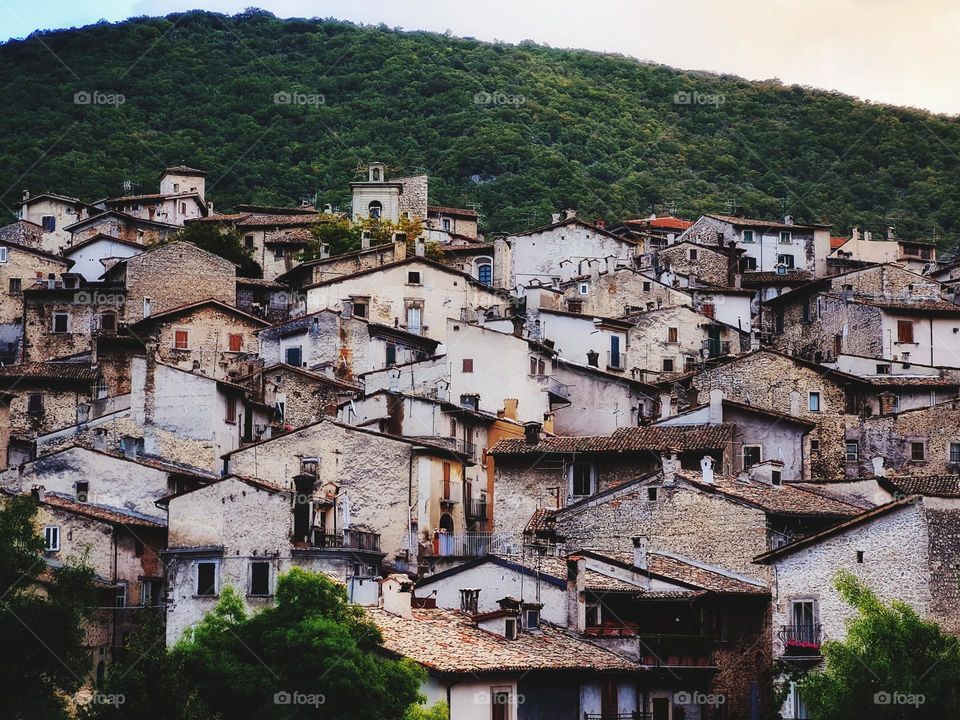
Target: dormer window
{"points": [[531, 617]]}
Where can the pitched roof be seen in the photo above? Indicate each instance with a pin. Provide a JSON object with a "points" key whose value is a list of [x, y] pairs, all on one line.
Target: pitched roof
{"points": [[768, 224], [923, 305], [659, 438], [283, 220], [104, 513], [448, 641], [943, 486], [98, 238], [36, 251], [667, 222], [190, 307], [303, 372], [459, 212], [182, 170], [764, 277], [859, 519], [297, 236], [123, 215], [79, 371]]}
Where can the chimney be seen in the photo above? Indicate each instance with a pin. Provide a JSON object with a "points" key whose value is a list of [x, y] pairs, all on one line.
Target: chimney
{"points": [[666, 403], [602, 224], [510, 409], [867, 235], [518, 323], [878, 467], [577, 592], [788, 219], [854, 234], [365, 240], [209, 207], [36, 492], [891, 234], [421, 247], [887, 402], [399, 248], [531, 431], [671, 466], [324, 250], [328, 209], [716, 407], [554, 218], [568, 214], [25, 195], [397, 594], [640, 552], [706, 469], [593, 267]]}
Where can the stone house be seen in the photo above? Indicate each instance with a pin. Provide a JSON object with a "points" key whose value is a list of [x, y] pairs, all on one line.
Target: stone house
{"points": [[761, 436], [54, 214], [275, 242], [720, 520], [171, 276], [20, 265], [242, 532], [264, 298], [415, 294], [122, 547], [63, 317], [919, 441], [618, 292], [121, 225], [555, 472], [715, 265], [22, 232], [405, 489], [181, 197], [379, 198], [341, 344], [904, 550], [366, 257], [564, 249], [764, 244], [208, 337], [882, 311], [651, 233], [454, 222], [767, 285], [91, 257], [599, 402], [298, 396], [499, 661]]}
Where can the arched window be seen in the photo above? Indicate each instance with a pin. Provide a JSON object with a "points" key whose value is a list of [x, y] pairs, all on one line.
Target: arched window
{"points": [[375, 174], [375, 209], [446, 522], [483, 269]]}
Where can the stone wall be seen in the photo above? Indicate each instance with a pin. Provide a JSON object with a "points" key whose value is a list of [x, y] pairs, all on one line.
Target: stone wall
{"points": [[25, 267], [710, 267], [610, 294], [413, 197]]}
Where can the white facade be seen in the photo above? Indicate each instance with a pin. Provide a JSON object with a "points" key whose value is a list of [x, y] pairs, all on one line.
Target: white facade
{"points": [[89, 258]]}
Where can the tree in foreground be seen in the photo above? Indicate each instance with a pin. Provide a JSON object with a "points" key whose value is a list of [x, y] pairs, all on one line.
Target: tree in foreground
{"points": [[892, 664], [42, 613]]}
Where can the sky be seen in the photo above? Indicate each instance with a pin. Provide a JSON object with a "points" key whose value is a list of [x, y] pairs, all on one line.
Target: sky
{"points": [[904, 52]]}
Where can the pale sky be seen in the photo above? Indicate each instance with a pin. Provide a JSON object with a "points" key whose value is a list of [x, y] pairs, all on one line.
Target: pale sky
{"points": [[905, 52]]}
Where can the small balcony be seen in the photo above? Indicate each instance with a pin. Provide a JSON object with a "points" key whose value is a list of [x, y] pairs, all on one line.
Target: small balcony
{"points": [[616, 361], [801, 640], [476, 509], [345, 540], [473, 544], [716, 348], [553, 387]]}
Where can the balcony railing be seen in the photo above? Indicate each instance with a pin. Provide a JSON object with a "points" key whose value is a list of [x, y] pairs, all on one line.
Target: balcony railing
{"points": [[348, 539], [477, 509], [616, 360], [554, 387], [716, 348], [636, 715], [677, 650], [801, 639], [474, 544]]}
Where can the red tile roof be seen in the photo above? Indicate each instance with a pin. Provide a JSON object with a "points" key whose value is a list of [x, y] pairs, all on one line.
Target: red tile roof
{"points": [[460, 212], [750, 222], [115, 516], [944, 486], [667, 222], [836, 242], [448, 641], [283, 220], [625, 440], [51, 371]]}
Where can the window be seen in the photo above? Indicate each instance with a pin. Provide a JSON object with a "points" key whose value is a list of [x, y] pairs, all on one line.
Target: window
{"points": [[803, 615], [708, 309], [584, 288], [581, 478], [60, 322], [181, 339], [485, 273], [413, 277], [207, 578], [108, 321], [120, 599], [375, 209], [278, 252], [652, 494], [510, 628], [532, 619], [575, 306], [672, 335], [151, 592], [905, 331], [747, 236], [852, 451], [231, 416], [955, 452], [813, 402], [883, 369], [501, 704], [860, 557], [83, 490], [751, 456], [176, 187], [647, 286], [668, 365], [51, 538], [918, 451], [776, 477], [805, 312], [689, 363], [248, 242], [49, 223], [814, 446], [446, 224], [16, 286], [468, 365], [533, 365], [413, 320], [235, 341], [391, 354], [594, 615], [616, 357], [35, 404], [259, 578], [785, 237], [786, 261], [692, 253], [293, 356], [748, 263]]}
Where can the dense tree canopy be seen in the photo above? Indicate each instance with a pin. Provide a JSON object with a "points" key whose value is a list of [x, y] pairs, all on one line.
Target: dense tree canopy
{"points": [[282, 110], [892, 664], [42, 611]]}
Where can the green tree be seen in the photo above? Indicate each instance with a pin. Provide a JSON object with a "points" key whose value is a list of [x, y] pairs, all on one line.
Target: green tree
{"points": [[437, 711], [339, 235], [892, 664], [42, 615], [223, 242], [312, 654]]}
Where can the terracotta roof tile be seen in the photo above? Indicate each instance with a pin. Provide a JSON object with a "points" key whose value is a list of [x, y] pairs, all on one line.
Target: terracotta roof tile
{"points": [[945, 486], [111, 515], [461, 212], [51, 371], [449, 641], [625, 440], [283, 220]]}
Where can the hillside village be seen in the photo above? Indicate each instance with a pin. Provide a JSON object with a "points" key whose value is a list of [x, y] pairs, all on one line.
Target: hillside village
{"points": [[594, 470]]}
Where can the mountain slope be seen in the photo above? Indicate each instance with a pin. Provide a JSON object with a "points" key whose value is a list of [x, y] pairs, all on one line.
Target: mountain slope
{"points": [[521, 130]]}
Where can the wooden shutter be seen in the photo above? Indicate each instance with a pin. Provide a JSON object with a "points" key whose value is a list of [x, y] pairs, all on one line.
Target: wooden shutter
{"points": [[905, 331], [236, 342]]}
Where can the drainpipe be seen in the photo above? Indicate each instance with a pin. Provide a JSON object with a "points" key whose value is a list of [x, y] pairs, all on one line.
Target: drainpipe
{"points": [[931, 339]]}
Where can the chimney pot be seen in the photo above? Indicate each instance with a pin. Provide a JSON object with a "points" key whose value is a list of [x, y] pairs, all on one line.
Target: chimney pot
{"points": [[640, 552]]}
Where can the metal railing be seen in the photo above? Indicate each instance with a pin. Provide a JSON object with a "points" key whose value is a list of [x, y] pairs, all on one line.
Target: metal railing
{"points": [[555, 387], [474, 544], [715, 348], [348, 539], [801, 639], [477, 509], [635, 715], [616, 360]]}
